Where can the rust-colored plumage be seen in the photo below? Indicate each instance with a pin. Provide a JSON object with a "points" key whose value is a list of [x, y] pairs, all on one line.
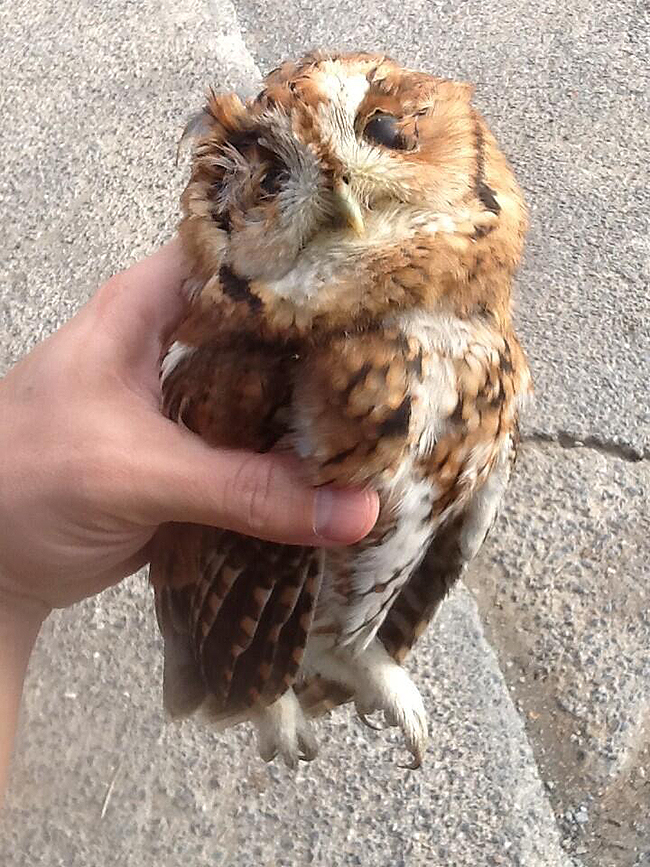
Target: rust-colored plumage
{"points": [[352, 234]]}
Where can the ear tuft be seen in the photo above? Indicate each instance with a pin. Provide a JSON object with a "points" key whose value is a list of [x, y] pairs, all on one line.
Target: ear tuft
{"points": [[198, 125], [227, 113], [465, 88]]}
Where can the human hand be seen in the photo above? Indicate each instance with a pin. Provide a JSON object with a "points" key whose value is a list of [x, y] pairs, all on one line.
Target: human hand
{"points": [[89, 468]]}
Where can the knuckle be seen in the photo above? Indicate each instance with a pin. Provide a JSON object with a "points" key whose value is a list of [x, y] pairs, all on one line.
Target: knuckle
{"points": [[252, 494]]}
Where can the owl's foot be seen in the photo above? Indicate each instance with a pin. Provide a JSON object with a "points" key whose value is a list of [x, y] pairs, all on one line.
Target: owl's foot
{"points": [[283, 730], [384, 685], [378, 684]]}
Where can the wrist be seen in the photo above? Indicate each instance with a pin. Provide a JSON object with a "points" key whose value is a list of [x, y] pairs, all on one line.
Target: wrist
{"points": [[21, 615], [20, 622]]}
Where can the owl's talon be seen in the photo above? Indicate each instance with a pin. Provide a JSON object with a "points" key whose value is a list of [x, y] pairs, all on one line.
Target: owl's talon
{"points": [[414, 764], [308, 746], [267, 755], [384, 685], [371, 725], [290, 760]]}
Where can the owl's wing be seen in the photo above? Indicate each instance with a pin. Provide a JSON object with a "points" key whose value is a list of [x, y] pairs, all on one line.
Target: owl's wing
{"points": [[443, 564], [236, 628], [456, 541], [234, 611]]}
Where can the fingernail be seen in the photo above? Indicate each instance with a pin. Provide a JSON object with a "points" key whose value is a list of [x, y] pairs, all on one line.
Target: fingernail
{"points": [[344, 516]]}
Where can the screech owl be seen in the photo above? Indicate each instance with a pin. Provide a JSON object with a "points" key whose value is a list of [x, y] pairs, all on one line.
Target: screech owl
{"points": [[352, 234]]}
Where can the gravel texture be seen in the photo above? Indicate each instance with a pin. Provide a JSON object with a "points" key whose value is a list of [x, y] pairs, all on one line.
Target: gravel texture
{"points": [[182, 794], [564, 598]]}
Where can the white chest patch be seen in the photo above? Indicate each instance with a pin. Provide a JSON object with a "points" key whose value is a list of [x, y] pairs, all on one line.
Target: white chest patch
{"points": [[381, 571]]}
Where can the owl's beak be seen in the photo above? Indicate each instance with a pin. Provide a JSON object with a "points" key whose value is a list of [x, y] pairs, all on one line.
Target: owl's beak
{"points": [[348, 207]]}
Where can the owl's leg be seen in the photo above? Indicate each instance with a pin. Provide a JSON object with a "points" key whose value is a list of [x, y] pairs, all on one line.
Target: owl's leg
{"points": [[378, 683], [283, 729]]}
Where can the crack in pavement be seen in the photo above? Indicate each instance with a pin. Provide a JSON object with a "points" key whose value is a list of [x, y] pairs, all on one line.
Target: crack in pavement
{"points": [[566, 440]]}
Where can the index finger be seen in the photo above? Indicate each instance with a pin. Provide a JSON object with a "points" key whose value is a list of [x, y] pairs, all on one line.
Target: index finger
{"points": [[146, 301]]}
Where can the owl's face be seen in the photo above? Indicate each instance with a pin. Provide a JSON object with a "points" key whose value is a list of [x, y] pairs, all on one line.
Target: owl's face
{"points": [[336, 159]]}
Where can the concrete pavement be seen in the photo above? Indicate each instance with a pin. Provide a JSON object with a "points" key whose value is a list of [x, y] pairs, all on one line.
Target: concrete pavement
{"points": [[537, 677]]}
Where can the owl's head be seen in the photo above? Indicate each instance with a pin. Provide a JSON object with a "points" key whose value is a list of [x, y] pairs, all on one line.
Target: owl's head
{"points": [[349, 186]]}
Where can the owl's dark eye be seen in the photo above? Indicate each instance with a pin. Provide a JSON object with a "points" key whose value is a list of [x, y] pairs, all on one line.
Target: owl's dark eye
{"points": [[383, 129], [275, 176]]}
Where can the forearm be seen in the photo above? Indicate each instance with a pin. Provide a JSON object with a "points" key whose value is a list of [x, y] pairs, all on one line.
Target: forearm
{"points": [[19, 625]]}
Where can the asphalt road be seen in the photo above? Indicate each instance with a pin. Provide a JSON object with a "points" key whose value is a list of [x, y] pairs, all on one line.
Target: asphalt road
{"points": [[537, 677]]}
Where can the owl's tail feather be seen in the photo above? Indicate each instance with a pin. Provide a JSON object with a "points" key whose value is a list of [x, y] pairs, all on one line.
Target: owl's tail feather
{"points": [[183, 687]]}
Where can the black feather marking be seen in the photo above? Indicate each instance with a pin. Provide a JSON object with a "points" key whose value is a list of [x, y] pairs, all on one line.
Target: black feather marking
{"points": [[414, 365], [485, 194], [457, 415], [222, 219], [339, 457], [377, 616], [238, 288], [397, 423], [505, 359], [356, 378]]}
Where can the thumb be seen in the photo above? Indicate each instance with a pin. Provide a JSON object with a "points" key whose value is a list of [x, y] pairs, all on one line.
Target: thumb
{"points": [[261, 495]]}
